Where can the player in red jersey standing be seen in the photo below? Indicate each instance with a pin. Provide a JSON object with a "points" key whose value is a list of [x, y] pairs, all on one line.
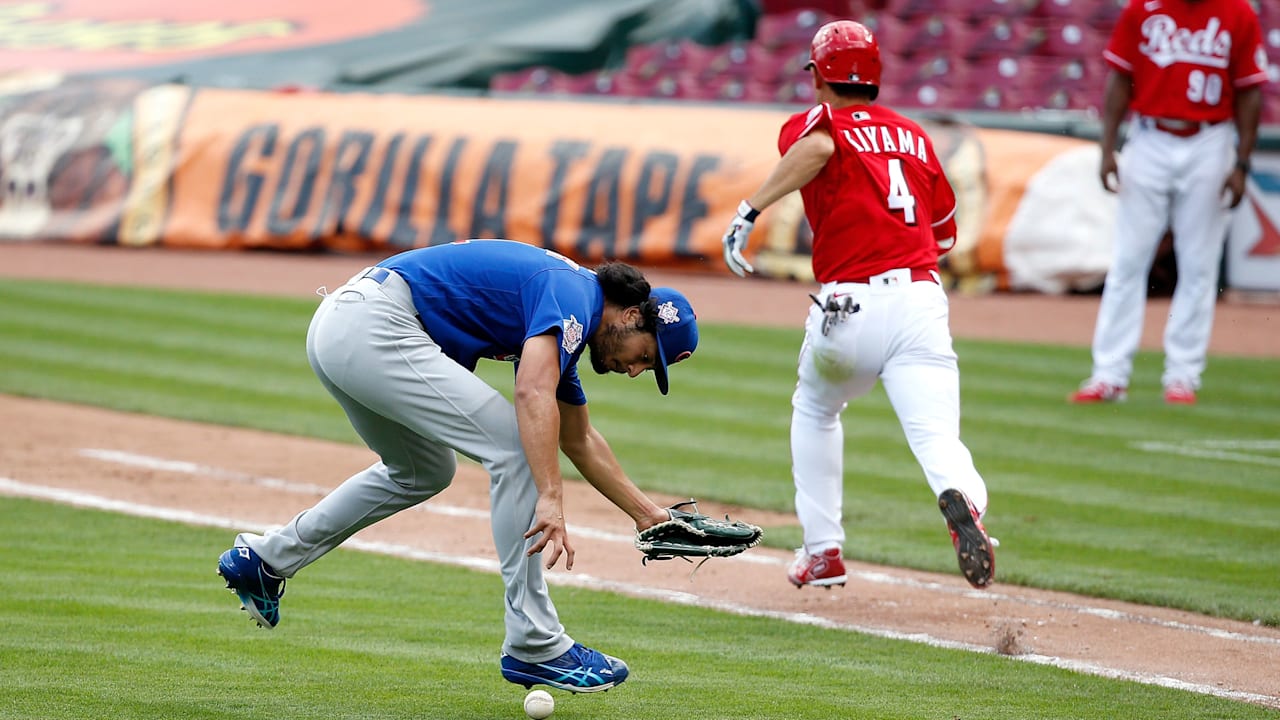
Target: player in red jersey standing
{"points": [[882, 211], [1186, 68]]}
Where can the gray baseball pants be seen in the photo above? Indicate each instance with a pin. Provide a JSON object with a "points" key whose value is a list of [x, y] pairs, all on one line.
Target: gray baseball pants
{"points": [[414, 407]]}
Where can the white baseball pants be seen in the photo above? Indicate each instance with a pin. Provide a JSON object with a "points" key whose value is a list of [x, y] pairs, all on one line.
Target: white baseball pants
{"points": [[1166, 182], [900, 336]]}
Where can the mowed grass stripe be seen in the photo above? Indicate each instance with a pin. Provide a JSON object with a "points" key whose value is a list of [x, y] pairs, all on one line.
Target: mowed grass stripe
{"points": [[1076, 500], [114, 616]]}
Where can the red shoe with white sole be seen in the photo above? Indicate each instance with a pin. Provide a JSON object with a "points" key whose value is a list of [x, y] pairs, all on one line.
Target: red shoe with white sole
{"points": [[1176, 393], [1096, 391], [822, 569]]}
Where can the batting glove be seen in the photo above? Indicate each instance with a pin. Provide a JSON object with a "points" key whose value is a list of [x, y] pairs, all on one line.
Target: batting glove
{"points": [[735, 239]]}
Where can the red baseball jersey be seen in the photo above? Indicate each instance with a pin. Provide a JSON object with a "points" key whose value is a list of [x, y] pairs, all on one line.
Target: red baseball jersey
{"points": [[1188, 58], [882, 201]]}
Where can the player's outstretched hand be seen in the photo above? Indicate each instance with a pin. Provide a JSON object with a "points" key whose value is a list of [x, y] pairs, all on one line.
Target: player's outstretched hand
{"points": [[548, 521], [735, 239]]}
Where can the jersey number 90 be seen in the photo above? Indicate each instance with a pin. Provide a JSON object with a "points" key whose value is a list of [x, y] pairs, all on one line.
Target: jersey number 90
{"points": [[1204, 87]]}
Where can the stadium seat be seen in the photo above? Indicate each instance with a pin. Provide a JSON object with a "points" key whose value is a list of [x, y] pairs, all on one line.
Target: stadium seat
{"points": [[997, 71], [1066, 98], [936, 32], [741, 60], [979, 10], [798, 92], [531, 80], [924, 95], [911, 10], [1077, 10], [791, 62], [838, 8], [938, 67], [891, 33], [999, 36], [654, 59], [797, 26], [739, 90], [1067, 39], [1271, 104], [1104, 16], [999, 98]]}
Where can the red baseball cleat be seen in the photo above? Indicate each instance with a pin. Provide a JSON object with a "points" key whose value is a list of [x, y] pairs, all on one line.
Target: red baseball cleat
{"points": [[1177, 393], [823, 569], [1096, 391], [973, 547]]}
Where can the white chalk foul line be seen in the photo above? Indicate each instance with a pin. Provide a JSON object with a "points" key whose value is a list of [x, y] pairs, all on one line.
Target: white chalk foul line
{"points": [[1245, 451], [183, 467], [438, 508], [85, 500]]}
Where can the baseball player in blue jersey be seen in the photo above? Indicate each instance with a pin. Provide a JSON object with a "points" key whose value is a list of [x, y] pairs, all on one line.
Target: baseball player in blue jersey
{"points": [[397, 346]]}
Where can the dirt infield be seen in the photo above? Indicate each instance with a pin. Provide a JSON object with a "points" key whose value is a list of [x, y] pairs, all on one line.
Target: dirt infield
{"points": [[152, 465]]}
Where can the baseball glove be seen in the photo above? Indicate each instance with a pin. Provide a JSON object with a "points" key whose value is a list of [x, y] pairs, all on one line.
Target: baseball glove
{"points": [[689, 533]]}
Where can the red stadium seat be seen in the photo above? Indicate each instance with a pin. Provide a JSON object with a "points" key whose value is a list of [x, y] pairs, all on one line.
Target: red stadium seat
{"points": [[938, 67], [999, 36], [923, 95], [1271, 104], [799, 92], [1070, 39], [737, 89], [1000, 98], [744, 61], [937, 32], [891, 34], [1006, 71], [1105, 15], [654, 59], [978, 10], [838, 8], [529, 80], [1077, 10], [791, 62], [789, 28], [910, 10], [1065, 98]]}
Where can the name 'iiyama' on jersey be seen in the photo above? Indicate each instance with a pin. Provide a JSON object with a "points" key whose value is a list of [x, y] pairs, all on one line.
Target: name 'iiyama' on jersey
{"points": [[884, 139]]}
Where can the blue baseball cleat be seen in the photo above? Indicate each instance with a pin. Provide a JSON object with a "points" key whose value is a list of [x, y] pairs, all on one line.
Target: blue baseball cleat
{"points": [[257, 585], [579, 670]]}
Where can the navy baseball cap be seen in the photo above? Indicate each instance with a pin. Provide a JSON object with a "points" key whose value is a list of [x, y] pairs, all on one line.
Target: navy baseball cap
{"points": [[677, 331]]}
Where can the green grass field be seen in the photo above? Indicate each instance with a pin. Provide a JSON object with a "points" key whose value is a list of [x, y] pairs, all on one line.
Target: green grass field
{"points": [[107, 616], [1177, 507]]}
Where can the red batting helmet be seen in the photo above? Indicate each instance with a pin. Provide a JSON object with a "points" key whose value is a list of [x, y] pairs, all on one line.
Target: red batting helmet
{"points": [[846, 52]]}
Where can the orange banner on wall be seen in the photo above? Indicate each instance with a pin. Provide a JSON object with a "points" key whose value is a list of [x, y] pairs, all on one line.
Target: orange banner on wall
{"points": [[361, 171], [646, 182]]}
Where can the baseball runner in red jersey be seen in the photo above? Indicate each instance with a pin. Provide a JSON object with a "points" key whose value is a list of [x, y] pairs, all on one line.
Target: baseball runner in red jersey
{"points": [[1186, 68], [882, 211]]}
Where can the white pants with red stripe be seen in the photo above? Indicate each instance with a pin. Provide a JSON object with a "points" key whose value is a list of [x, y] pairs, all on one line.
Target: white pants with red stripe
{"points": [[901, 337], [1166, 182]]}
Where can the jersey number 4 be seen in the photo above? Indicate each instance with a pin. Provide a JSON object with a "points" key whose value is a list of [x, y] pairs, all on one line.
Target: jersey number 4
{"points": [[900, 197]]}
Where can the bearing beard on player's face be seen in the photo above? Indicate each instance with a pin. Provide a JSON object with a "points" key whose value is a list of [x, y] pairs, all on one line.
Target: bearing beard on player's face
{"points": [[622, 349]]}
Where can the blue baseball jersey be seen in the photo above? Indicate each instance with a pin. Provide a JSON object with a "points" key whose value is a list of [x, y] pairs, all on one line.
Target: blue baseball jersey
{"points": [[484, 298]]}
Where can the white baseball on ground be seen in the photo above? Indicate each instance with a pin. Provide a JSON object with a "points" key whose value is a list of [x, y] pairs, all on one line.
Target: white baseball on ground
{"points": [[539, 704]]}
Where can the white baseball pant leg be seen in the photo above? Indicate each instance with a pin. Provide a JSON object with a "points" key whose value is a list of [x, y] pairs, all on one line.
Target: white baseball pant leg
{"points": [[1201, 215], [414, 406], [901, 336]]}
